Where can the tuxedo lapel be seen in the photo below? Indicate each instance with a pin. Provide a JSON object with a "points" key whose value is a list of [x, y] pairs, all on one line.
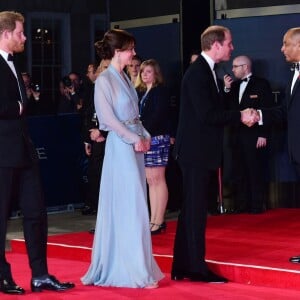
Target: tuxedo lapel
{"points": [[21, 84], [296, 86], [290, 97], [244, 95], [208, 71], [248, 88], [5, 67], [19, 80]]}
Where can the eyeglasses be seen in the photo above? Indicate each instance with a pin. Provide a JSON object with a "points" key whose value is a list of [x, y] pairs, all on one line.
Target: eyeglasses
{"points": [[236, 66]]}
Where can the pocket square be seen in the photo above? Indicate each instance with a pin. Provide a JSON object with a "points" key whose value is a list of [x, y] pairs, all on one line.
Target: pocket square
{"points": [[253, 96]]}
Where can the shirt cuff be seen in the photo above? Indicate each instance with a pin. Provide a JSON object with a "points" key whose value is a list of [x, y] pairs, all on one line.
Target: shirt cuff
{"points": [[21, 107], [260, 122]]}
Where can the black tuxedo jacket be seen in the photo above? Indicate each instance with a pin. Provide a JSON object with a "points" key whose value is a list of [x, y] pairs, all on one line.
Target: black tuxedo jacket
{"points": [[16, 148], [289, 111], [202, 117], [257, 94], [155, 111]]}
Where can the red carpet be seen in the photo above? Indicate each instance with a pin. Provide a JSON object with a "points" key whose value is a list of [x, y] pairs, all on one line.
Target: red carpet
{"points": [[248, 249], [73, 270]]}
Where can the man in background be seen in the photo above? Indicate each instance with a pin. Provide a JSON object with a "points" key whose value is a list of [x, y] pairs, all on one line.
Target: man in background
{"points": [[248, 144], [94, 143]]}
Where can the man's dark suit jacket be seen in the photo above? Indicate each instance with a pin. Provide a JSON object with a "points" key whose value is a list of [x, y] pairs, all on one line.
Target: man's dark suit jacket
{"points": [[19, 165], [199, 139], [198, 148], [16, 148], [257, 94], [289, 111]]}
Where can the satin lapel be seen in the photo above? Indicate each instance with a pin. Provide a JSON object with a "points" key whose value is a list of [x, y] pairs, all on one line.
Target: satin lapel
{"points": [[248, 87], [296, 86], [235, 95], [209, 72], [21, 86], [19, 79], [291, 97], [6, 66]]}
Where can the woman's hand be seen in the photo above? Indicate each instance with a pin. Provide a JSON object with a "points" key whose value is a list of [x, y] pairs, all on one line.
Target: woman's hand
{"points": [[143, 145], [96, 136]]}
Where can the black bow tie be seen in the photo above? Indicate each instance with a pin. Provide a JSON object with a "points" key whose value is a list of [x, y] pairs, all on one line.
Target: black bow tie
{"points": [[295, 66], [245, 79], [10, 57]]}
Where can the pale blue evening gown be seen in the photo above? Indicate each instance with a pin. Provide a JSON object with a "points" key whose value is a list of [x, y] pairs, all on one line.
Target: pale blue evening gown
{"points": [[122, 248]]}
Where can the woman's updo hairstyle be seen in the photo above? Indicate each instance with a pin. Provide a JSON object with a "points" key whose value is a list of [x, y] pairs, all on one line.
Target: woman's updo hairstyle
{"points": [[114, 39]]}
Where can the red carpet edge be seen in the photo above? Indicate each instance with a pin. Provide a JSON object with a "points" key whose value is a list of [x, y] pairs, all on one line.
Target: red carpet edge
{"points": [[247, 249], [238, 273]]}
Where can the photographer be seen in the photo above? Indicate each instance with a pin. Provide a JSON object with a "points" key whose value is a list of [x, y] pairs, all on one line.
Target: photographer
{"points": [[33, 92], [69, 100]]}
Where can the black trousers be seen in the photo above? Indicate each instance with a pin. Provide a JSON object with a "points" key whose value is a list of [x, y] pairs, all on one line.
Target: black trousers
{"points": [[94, 175], [249, 175], [189, 246], [174, 183], [32, 205]]}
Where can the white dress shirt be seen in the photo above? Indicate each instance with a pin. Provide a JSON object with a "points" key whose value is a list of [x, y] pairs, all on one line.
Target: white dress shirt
{"points": [[296, 75], [243, 86], [211, 64]]}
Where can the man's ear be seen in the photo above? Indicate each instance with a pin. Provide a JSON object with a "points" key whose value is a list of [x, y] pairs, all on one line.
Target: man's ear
{"points": [[216, 45], [6, 34]]}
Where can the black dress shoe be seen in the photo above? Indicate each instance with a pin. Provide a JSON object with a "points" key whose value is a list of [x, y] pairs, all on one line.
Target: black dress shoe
{"points": [[8, 286], [50, 283], [295, 259], [209, 277]]}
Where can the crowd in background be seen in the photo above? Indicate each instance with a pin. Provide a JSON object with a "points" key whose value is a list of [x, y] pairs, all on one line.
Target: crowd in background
{"points": [[76, 95]]}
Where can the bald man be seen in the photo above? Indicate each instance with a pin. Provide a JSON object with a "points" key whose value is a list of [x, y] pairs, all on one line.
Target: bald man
{"points": [[289, 111], [248, 143]]}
